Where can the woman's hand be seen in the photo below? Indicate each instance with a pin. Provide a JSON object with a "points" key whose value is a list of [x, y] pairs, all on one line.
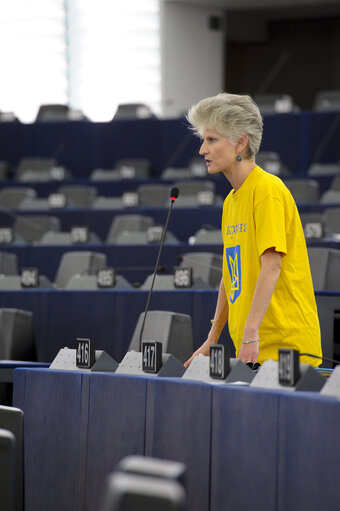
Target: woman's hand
{"points": [[203, 350], [249, 352]]}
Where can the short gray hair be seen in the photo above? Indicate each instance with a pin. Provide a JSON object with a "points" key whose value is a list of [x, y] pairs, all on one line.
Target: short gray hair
{"points": [[232, 115]]}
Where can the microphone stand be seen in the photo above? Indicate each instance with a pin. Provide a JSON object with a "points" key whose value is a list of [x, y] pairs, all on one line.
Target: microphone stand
{"points": [[155, 271]]}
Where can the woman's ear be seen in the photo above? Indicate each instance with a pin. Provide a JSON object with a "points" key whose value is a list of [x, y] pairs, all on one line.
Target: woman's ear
{"points": [[242, 143]]}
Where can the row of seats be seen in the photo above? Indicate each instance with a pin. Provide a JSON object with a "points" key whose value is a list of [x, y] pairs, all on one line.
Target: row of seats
{"points": [[124, 230], [268, 103], [89, 270], [324, 101], [48, 169], [141, 230], [193, 193]]}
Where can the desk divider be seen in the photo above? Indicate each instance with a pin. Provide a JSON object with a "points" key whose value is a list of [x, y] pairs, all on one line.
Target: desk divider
{"points": [[309, 453], [116, 428], [244, 450], [178, 428]]}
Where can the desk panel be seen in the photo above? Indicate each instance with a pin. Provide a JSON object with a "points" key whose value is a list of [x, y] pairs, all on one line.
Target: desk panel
{"points": [[52, 408], [309, 453], [244, 449], [116, 428], [178, 428]]}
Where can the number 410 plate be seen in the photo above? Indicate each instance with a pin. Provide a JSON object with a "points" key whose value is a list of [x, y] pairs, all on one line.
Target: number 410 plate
{"points": [[219, 363]]}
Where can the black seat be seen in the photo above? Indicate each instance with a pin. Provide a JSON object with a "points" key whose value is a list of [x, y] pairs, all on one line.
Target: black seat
{"points": [[269, 103], [303, 190], [32, 228], [131, 492], [205, 265], [127, 223], [11, 419], [133, 111], [327, 101], [172, 329], [325, 268], [17, 335], [82, 263], [7, 470]]}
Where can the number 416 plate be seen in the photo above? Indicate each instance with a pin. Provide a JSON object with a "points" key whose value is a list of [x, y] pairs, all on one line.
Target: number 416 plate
{"points": [[85, 354]]}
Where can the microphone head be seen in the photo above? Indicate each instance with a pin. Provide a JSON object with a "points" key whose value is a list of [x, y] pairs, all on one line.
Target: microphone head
{"points": [[174, 193]]}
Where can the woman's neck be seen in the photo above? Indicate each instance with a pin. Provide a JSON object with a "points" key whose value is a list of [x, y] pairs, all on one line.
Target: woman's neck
{"points": [[239, 173]]}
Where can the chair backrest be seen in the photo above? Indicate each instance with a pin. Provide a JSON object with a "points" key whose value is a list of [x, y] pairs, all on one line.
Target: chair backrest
{"points": [[135, 167], [17, 335], [176, 173], [194, 186], [155, 195], [10, 282], [162, 282], [83, 263], [172, 329], [7, 470], [32, 228], [327, 101], [79, 196], [330, 197], [90, 282], [131, 492], [269, 103], [133, 111], [52, 112], [270, 161], [325, 268], [204, 236], [332, 221], [105, 175], [34, 164], [303, 190], [34, 204], [8, 263], [11, 419], [313, 225], [130, 223], [206, 265], [154, 467], [336, 183], [322, 169], [12, 197], [56, 238]]}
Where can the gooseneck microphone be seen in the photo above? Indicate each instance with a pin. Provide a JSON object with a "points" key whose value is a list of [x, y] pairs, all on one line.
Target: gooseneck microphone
{"points": [[173, 197]]}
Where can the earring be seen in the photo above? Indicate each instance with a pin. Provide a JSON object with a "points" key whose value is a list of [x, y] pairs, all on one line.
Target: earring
{"points": [[239, 157]]}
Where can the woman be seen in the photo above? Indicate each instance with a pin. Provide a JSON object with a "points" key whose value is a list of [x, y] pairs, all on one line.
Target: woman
{"points": [[266, 292]]}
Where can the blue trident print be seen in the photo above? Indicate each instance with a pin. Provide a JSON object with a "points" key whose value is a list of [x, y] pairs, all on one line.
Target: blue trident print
{"points": [[234, 265]]}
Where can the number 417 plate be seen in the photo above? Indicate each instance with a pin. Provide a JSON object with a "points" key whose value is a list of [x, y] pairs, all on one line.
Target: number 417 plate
{"points": [[151, 356]]}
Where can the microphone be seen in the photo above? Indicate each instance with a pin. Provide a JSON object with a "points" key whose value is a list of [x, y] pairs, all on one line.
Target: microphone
{"points": [[173, 197]]}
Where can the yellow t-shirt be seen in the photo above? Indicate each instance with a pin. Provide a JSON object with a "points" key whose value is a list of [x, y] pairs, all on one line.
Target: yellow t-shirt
{"points": [[260, 215]]}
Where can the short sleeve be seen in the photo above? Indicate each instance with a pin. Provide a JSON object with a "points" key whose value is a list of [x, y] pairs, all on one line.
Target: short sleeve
{"points": [[270, 225]]}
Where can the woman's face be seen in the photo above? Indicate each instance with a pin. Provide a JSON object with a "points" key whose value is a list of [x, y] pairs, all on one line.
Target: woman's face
{"points": [[219, 153]]}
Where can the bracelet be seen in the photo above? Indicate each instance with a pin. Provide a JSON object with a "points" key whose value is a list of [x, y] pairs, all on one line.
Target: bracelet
{"points": [[216, 322], [251, 341]]}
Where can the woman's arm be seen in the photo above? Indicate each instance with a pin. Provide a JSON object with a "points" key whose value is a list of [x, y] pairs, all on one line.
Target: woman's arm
{"points": [[269, 273], [219, 321]]}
